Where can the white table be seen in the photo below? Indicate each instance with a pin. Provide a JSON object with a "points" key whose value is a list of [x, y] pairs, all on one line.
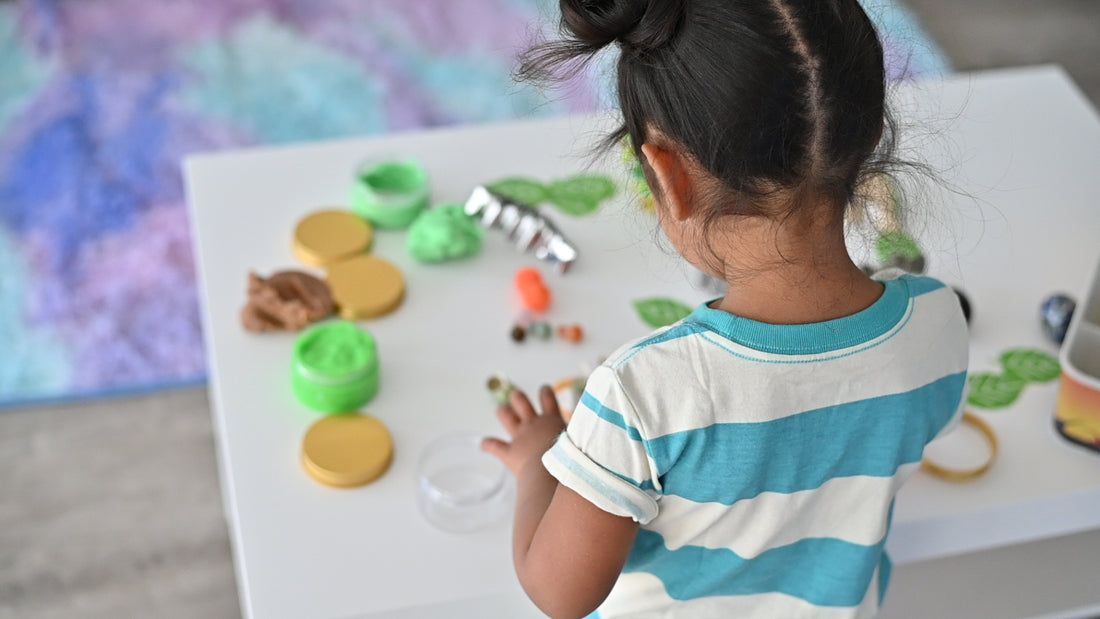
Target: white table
{"points": [[1025, 144]]}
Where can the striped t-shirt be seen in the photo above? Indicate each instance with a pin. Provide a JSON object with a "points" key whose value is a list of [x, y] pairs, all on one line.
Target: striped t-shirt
{"points": [[761, 460]]}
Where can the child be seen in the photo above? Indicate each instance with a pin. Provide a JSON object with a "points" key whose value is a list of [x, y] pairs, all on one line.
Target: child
{"points": [[743, 462]]}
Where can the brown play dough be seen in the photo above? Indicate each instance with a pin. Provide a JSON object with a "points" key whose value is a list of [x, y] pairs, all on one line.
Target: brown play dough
{"points": [[288, 300]]}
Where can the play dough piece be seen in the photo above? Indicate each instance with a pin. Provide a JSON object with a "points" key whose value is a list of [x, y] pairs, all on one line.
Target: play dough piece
{"points": [[533, 292], [366, 287], [391, 194], [327, 237], [444, 233], [347, 450], [335, 367], [288, 300]]}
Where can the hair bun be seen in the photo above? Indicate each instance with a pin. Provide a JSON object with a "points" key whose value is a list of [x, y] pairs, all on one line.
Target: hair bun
{"points": [[640, 24]]}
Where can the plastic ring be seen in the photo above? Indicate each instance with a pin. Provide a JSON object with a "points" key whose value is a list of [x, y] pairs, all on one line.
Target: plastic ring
{"points": [[967, 474]]}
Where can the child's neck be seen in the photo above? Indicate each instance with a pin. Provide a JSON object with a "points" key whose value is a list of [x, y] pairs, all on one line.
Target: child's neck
{"points": [[800, 274]]}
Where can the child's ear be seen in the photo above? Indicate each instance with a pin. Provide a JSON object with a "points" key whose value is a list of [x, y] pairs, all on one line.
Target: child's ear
{"points": [[671, 174]]}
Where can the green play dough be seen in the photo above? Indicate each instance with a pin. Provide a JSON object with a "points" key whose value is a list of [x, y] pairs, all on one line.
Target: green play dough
{"points": [[580, 195], [521, 190], [391, 194], [444, 233], [335, 367]]}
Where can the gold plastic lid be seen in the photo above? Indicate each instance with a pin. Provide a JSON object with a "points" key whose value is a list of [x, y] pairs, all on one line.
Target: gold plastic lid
{"points": [[326, 237], [366, 287], [347, 450]]}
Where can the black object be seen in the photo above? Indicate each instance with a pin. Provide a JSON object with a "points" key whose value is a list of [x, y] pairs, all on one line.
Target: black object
{"points": [[964, 302], [1055, 314]]}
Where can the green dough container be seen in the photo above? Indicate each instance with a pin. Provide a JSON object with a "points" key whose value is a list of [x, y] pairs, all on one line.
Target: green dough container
{"points": [[335, 367]]}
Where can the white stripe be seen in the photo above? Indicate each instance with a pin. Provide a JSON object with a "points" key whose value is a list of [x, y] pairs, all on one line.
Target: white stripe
{"points": [[574, 470], [609, 444], [751, 391], [852, 509], [642, 596]]}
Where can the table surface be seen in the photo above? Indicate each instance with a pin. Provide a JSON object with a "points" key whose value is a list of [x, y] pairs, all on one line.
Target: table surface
{"points": [[1023, 146]]}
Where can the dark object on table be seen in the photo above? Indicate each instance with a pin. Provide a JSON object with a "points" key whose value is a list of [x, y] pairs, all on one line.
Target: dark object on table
{"points": [[964, 302], [1055, 314]]}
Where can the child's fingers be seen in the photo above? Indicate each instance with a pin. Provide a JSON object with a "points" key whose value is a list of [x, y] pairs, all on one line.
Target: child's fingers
{"points": [[549, 401], [494, 447], [508, 419], [522, 406]]}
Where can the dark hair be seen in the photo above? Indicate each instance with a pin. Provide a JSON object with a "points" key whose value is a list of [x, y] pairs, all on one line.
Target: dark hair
{"points": [[765, 95]]}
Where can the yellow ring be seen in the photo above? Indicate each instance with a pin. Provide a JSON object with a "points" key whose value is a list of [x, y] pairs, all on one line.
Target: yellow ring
{"points": [[967, 474]]}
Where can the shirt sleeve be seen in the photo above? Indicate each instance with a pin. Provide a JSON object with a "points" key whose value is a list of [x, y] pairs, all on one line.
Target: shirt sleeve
{"points": [[602, 453]]}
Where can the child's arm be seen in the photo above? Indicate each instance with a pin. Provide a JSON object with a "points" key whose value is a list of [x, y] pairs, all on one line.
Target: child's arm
{"points": [[568, 553]]}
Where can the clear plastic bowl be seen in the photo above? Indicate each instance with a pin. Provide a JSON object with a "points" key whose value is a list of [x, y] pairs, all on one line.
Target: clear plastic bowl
{"points": [[461, 488]]}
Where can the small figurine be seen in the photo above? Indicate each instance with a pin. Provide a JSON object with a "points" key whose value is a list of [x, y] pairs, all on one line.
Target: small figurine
{"points": [[524, 226]]}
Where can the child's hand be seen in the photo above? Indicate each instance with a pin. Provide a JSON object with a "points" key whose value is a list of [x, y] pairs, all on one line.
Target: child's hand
{"points": [[532, 434]]}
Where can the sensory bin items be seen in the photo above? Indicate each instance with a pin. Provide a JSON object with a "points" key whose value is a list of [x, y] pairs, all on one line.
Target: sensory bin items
{"points": [[335, 367], [391, 194], [288, 300]]}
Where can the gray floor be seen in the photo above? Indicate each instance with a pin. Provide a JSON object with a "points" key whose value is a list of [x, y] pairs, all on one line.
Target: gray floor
{"points": [[112, 509]]}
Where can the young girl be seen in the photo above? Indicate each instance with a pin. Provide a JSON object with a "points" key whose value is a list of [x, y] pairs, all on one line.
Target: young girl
{"points": [[743, 462]]}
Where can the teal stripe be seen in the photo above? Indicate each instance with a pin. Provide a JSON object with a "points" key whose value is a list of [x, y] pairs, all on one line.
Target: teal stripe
{"points": [[821, 571], [812, 339], [613, 417], [922, 285], [725, 463]]}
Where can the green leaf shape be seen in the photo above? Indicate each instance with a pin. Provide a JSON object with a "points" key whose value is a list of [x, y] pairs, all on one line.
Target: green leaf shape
{"points": [[521, 190], [580, 195], [893, 245], [990, 391], [1030, 365], [660, 312]]}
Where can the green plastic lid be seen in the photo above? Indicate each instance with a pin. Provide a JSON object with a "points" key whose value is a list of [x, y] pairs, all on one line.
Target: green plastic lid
{"points": [[391, 194], [335, 367]]}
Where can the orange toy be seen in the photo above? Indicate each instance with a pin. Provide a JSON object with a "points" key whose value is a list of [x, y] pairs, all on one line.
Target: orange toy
{"points": [[532, 290], [571, 333]]}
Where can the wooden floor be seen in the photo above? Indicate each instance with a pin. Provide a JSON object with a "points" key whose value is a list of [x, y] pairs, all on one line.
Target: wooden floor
{"points": [[112, 509]]}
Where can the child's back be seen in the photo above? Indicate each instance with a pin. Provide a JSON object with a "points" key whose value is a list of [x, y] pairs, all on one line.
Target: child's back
{"points": [[745, 461], [761, 461]]}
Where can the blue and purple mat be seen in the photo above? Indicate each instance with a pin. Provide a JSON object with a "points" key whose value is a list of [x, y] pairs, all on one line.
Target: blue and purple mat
{"points": [[100, 101]]}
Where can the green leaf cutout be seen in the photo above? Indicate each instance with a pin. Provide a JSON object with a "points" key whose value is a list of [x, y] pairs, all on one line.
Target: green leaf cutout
{"points": [[1033, 366], [893, 245], [994, 390], [659, 312], [580, 195], [522, 190]]}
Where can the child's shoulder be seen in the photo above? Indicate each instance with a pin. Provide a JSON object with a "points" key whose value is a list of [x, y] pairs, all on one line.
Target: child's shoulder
{"points": [[673, 333]]}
